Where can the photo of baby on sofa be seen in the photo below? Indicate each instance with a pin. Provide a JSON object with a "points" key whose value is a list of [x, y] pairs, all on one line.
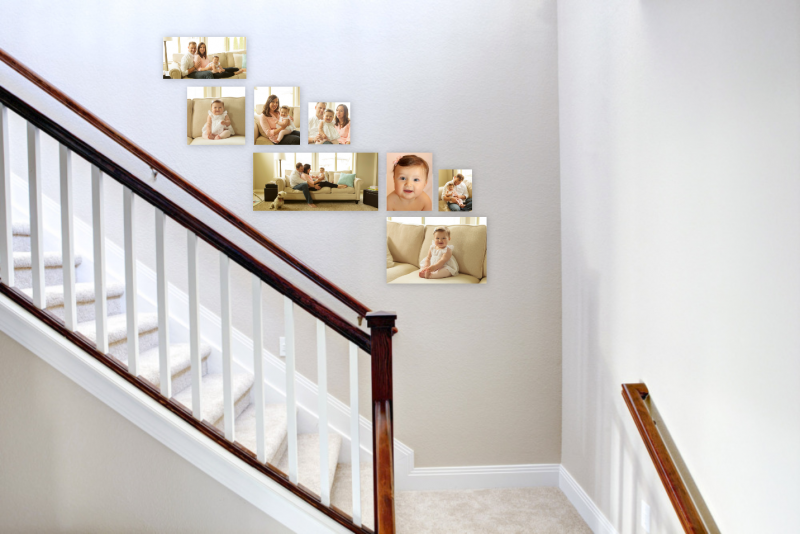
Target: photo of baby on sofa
{"points": [[329, 123], [215, 116], [455, 190], [436, 250], [205, 58], [315, 181], [276, 116], [409, 181]]}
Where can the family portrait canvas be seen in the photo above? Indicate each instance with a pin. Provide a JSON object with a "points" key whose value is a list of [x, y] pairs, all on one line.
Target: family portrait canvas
{"points": [[329, 123], [215, 116], [276, 115], [204, 58], [409, 181]]}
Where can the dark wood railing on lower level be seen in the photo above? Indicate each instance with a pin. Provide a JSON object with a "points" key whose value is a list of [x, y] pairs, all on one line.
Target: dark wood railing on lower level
{"points": [[680, 488]]}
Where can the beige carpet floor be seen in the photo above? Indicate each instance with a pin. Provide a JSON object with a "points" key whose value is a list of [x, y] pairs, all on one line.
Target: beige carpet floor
{"points": [[500, 511], [322, 205]]}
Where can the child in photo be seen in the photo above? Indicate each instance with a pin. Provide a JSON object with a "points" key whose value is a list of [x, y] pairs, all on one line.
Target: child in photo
{"points": [[449, 196], [318, 180], [328, 129], [440, 262], [218, 125], [410, 174], [215, 66], [285, 125]]}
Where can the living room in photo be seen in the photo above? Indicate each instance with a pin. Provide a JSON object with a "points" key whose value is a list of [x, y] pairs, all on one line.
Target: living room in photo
{"points": [[276, 115], [329, 123], [436, 250], [311, 181], [204, 58], [215, 116]]}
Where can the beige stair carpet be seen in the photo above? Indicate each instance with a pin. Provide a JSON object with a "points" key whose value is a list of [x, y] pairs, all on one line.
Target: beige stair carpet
{"points": [[274, 430], [308, 460]]}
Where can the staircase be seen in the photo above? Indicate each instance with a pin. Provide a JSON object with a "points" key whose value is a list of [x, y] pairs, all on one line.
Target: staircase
{"points": [[193, 380]]}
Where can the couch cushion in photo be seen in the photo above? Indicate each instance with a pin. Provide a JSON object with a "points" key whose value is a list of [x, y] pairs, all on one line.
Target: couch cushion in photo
{"points": [[404, 241], [399, 270], [347, 179], [469, 247], [233, 105], [413, 278]]}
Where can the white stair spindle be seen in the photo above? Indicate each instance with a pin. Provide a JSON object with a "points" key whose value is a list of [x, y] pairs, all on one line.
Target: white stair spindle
{"points": [[130, 280], [258, 369], [67, 239], [322, 407], [99, 225], [6, 233], [355, 443], [163, 306], [291, 403], [194, 325], [227, 365], [37, 229]]}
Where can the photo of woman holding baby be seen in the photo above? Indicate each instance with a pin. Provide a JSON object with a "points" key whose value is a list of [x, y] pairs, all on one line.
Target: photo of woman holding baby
{"points": [[202, 63], [275, 126]]}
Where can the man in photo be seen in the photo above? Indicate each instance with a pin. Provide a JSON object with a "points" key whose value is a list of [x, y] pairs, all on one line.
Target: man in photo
{"points": [[301, 181], [187, 65], [314, 135], [460, 191]]}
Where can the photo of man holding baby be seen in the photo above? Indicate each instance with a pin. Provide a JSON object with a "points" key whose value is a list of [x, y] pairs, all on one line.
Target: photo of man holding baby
{"points": [[329, 123]]}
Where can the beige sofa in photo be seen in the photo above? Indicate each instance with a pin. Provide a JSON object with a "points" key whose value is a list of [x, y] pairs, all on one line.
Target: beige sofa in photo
{"points": [[323, 193], [260, 135], [197, 113], [226, 60], [443, 204], [408, 245]]}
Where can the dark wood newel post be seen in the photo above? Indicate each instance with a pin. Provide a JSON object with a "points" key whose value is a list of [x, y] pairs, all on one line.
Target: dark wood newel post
{"points": [[381, 325]]}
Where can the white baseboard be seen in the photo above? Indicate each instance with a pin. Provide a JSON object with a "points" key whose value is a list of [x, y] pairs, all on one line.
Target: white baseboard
{"points": [[164, 426], [479, 477], [584, 504]]}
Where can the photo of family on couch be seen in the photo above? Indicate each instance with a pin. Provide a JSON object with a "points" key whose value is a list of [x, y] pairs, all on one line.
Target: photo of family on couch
{"points": [[276, 116], [329, 123], [215, 116], [205, 58], [315, 181], [436, 250], [455, 190]]}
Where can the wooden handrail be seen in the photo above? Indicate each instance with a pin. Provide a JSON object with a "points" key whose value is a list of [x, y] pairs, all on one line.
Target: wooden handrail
{"points": [[679, 495], [157, 166], [187, 220]]}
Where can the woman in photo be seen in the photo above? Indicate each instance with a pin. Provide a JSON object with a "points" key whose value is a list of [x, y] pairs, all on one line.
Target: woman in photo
{"points": [[319, 181], [201, 63], [342, 124], [269, 122]]}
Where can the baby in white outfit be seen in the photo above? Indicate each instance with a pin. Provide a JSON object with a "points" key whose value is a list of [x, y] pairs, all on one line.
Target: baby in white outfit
{"points": [[440, 262], [327, 127], [218, 125], [285, 125]]}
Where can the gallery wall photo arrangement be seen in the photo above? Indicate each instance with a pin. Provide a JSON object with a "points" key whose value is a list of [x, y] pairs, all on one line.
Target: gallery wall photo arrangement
{"points": [[329, 123], [204, 58], [215, 116], [455, 190], [409, 181], [309, 181], [436, 250], [276, 115]]}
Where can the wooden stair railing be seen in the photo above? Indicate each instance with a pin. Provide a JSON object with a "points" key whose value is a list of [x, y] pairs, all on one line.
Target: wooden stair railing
{"points": [[381, 324], [686, 499], [157, 166]]}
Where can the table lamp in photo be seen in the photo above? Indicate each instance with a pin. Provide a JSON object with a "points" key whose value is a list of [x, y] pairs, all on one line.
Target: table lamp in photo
{"points": [[281, 157], [166, 61]]}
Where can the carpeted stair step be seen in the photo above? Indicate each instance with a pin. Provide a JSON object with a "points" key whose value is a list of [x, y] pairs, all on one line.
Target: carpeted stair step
{"points": [[118, 333], [180, 360], [84, 295], [308, 465], [53, 274], [274, 430], [22, 236], [212, 399], [342, 492]]}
